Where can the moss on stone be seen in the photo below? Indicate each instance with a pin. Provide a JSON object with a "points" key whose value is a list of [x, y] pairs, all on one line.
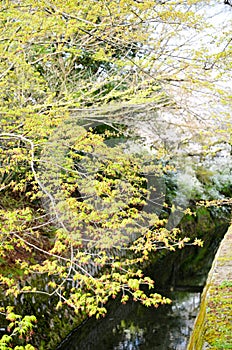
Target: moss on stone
{"points": [[218, 326], [213, 326]]}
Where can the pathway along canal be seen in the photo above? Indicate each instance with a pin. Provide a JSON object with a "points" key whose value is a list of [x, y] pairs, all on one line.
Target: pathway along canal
{"points": [[135, 327]]}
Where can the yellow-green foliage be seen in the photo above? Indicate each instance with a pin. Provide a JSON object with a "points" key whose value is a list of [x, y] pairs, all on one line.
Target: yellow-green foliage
{"points": [[68, 200]]}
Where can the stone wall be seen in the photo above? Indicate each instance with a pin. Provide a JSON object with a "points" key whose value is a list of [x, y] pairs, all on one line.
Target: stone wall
{"points": [[213, 326]]}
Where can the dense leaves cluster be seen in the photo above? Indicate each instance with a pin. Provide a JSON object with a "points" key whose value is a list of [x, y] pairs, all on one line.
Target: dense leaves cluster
{"points": [[75, 205]]}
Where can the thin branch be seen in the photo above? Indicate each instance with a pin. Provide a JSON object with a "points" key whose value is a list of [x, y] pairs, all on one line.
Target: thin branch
{"points": [[32, 161], [6, 71]]}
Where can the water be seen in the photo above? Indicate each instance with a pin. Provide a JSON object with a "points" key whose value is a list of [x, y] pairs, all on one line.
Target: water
{"points": [[135, 327]]}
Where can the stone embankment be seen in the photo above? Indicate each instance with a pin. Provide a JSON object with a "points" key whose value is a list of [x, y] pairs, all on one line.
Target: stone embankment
{"points": [[213, 326]]}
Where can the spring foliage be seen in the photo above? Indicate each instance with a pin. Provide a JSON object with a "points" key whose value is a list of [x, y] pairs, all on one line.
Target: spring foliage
{"points": [[73, 208]]}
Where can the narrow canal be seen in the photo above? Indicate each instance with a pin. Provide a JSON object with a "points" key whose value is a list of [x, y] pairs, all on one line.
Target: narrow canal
{"points": [[179, 276], [133, 327]]}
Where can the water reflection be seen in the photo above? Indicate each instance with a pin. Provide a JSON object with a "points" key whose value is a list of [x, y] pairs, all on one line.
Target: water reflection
{"points": [[132, 338], [134, 327]]}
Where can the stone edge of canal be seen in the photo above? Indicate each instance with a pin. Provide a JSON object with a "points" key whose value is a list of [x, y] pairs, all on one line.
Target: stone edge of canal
{"points": [[213, 325]]}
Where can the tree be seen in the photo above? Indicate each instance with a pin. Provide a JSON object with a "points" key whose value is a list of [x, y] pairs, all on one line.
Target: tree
{"points": [[75, 79]]}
